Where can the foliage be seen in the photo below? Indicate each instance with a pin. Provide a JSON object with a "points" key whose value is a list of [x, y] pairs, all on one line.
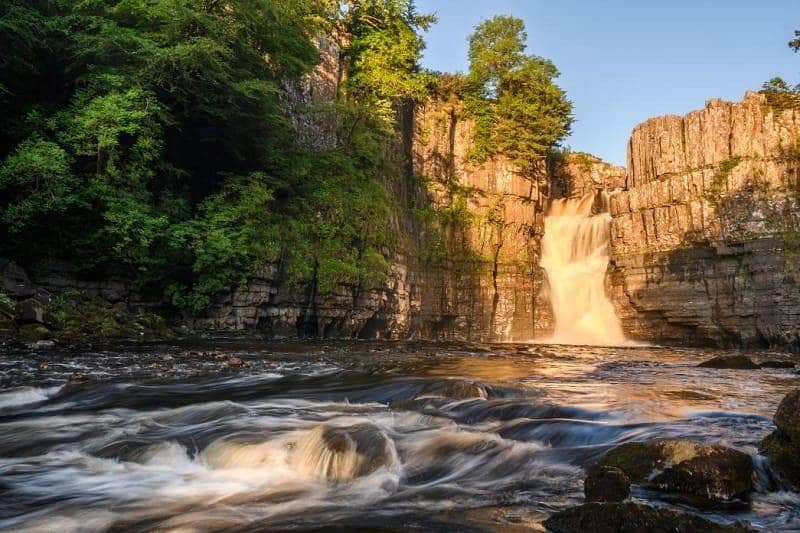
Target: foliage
{"points": [[719, 181], [6, 301], [780, 95], [518, 109], [386, 49], [778, 92], [149, 138]]}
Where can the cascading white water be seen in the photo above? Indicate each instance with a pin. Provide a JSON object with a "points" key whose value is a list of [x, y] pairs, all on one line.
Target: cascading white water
{"points": [[575, 257]]}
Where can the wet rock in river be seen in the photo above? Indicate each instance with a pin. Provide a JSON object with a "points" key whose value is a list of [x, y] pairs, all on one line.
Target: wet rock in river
{"points": [[733, 362], [695, 473], [234, 362], [456, 389], [782, 446], [776, 364], [606, 484], [325, 452], [787, 417], [629, 517], [445, 391]]}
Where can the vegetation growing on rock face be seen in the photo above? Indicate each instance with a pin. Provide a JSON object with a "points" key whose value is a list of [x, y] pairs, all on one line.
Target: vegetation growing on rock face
{"points": [[150, 138]]}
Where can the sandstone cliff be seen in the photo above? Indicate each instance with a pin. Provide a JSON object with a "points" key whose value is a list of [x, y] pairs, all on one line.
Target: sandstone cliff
{"points": [[581, 173], [705, 238], [485, 286]]}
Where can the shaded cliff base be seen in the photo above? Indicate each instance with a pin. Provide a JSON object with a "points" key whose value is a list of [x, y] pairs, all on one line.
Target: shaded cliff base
{"points": [[744, 294]]}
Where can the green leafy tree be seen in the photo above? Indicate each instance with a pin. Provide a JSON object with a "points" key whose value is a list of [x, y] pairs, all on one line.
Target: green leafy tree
{"points": [[777, 91], [518, 109], [533, 113], [496, 47]]}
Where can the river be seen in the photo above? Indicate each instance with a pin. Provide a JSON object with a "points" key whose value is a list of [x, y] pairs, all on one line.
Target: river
{"points": [[387, 436]]}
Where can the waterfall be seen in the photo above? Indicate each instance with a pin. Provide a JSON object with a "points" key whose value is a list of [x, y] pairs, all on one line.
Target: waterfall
{"points": [[575, 257]]}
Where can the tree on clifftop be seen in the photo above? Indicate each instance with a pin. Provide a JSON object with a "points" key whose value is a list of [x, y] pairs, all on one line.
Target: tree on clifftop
{"points": [[778, 92], [518, 109]]}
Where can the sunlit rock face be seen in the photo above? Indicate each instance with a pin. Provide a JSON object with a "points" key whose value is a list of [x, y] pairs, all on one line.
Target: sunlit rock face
{"points": [[704, 242], [488, 287], [580, 174]]}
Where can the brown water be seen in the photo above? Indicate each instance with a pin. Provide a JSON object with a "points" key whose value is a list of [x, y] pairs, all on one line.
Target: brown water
{"points": [[135, 437]]}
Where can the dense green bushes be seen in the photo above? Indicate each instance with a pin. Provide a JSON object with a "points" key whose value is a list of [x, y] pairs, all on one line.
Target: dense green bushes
{"points": [[148, 138]]}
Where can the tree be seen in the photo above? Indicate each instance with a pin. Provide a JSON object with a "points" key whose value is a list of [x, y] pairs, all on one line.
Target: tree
{"points": [[533, 113], [518, 109], [496, 47], [777, 91]]}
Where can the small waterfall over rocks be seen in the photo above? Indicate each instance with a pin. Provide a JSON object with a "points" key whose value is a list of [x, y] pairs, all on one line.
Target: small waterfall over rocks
{"points": [[575, 257]]}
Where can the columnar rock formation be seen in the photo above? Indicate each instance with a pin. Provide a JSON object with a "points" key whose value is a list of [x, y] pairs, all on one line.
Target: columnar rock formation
{"points": [[705, 241], [485, 286], [581, 173]]}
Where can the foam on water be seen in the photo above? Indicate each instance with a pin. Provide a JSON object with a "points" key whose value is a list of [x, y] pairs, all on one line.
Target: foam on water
{"points": [[25, 396], [376, 440]]}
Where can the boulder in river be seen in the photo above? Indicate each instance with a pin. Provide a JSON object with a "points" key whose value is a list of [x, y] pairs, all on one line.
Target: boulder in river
{"points": [[630, 517], [606, 484], [325, 452], [455, 389], [732, 362], [445, 391], [782, 446], [30, 310], [776, 364], [691, 472]]}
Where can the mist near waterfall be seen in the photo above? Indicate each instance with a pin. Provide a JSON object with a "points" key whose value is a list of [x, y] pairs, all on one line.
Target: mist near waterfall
{"points": [[575, 257]]}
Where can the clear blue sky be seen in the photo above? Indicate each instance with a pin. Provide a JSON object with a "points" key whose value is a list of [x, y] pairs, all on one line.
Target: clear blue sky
{"points": [[624, 61]]}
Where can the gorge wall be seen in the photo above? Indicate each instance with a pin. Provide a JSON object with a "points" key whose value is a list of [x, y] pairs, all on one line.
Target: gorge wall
{"points": [[468, 235], [705, 244], [468, 266]]}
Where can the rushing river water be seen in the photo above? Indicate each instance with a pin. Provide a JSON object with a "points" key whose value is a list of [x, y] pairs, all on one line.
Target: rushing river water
{"points": [[353, 435]]}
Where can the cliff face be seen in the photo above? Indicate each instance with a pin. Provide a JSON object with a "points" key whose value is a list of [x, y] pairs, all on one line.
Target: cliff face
{"points": [[487, 285], [581, 173], [705, 241], [468, 266]]}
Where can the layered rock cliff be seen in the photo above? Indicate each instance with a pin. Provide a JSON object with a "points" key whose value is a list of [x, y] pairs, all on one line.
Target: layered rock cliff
{"points": [[468, 237], [580, 173], [704, 239], [485, 286]]}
